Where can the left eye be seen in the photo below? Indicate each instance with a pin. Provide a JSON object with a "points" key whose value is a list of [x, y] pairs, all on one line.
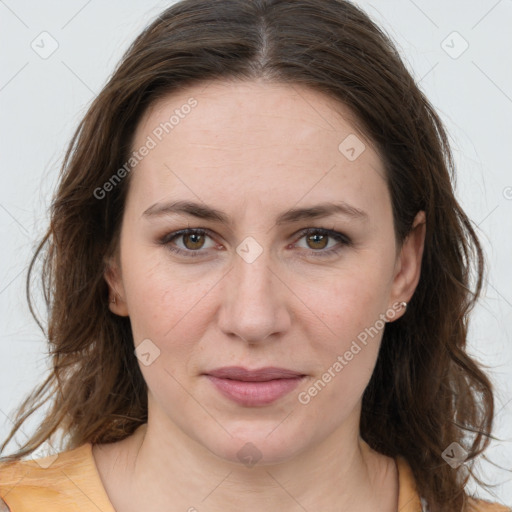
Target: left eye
{"points": [[321, 236], [194, 239]]}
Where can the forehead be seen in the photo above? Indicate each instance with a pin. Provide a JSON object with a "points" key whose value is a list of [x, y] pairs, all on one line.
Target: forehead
{"points": [[255, 140]]}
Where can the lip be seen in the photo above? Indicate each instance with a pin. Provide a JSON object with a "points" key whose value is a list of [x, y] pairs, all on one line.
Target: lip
{"points": [[254, 387], [258, 375]]}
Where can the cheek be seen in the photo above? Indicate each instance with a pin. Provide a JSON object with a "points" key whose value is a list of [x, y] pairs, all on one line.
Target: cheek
{"points": [[345, 325], [157, 297], [345, 359], [348, 300], [161, 303], [167, 304]]}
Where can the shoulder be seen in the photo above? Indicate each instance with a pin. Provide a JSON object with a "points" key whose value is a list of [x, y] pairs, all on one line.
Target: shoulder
{"points": [[478, 505], [410, 500], [52, 483]]}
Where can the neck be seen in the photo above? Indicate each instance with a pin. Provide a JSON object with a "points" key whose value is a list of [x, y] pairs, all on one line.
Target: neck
{"points": [[157, 467]]}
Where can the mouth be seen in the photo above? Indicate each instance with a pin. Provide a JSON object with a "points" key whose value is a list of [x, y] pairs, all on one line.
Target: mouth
{"points": [[252, 388]]}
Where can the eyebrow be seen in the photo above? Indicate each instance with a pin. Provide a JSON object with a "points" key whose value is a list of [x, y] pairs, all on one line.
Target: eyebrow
{"points": [[205, 212]]}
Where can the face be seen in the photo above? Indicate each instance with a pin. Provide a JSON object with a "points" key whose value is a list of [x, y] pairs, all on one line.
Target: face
{"points": [[270, 277]]}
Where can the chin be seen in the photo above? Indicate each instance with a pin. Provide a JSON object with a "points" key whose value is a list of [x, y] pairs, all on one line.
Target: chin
{"points": [[250, 446]]}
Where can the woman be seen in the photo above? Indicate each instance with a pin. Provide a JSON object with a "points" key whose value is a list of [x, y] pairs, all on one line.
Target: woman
{"points": [[256, 272]]}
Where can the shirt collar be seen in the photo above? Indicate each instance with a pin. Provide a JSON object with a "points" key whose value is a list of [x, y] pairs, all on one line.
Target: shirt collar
{"points": [[408, 498]]}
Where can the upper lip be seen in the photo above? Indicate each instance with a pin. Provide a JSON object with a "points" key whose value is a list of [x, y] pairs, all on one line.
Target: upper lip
{"points": [[260, 374]]}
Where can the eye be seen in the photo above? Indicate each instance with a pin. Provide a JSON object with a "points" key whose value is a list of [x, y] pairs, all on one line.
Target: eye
{"points": [[317, 239], [193, 240]]}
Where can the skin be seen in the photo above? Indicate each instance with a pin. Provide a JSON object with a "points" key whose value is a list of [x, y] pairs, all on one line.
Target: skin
{"points": [[254, 150]]}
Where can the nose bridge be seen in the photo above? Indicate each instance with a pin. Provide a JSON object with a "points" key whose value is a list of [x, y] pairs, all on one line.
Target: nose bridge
{"points": [[251, 304], [253, 270]]}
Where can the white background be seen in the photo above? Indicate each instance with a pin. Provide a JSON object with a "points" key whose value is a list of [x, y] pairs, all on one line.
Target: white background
{"points": [[42, 101]]}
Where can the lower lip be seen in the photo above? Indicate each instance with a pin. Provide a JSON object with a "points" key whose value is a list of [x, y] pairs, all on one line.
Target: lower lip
{"points": [[254, 393]]}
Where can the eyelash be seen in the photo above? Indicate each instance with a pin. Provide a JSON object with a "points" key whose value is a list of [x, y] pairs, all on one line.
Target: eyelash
{"points": [[340, 237]]}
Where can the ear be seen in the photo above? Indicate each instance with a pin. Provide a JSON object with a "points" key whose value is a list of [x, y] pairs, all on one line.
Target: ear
{"points": [[113, 277], [408, 264]]}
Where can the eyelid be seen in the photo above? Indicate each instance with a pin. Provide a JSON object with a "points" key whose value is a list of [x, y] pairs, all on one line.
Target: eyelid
{"points": [[166, 240], [328, 232]]}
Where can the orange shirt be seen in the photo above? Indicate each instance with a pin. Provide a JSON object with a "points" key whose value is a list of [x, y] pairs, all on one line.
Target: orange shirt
{"points": [[70, 482]]}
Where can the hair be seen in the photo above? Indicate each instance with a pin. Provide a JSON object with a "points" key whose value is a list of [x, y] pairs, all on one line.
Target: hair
{"points": [[426, 391]]}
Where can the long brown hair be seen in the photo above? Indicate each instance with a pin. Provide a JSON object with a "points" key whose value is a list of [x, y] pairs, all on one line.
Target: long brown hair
{"points": [[426, 391]]}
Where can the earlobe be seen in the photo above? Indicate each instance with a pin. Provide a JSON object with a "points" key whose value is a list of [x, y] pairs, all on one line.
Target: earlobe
{"points": [[116, 301], [409, 262]]}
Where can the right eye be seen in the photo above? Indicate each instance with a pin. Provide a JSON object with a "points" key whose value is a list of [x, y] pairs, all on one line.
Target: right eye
{"points": [[191, 237]]}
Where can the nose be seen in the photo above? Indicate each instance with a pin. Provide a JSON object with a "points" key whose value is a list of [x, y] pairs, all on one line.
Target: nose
{"points": [[255, 301]]}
